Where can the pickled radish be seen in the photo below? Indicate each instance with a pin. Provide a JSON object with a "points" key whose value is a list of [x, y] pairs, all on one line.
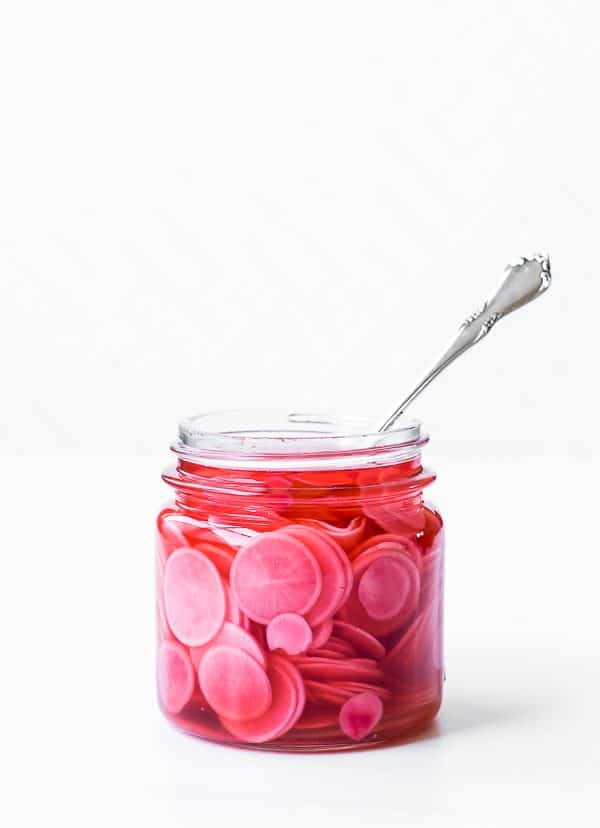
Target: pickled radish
{"points": [[363, 641], [321, 634], [175, 676], [360, 715], [221, 556], [194, 597], [298, 681], [389, 542], [333, 574], [387, 586], [233, 636], [273, 574], [234, 684], [289, 632], [331, 670], [278, 718], [347, 536]]}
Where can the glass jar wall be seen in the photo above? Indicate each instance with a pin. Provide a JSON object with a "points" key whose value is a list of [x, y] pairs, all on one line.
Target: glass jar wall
{"points": [[299, 584]]}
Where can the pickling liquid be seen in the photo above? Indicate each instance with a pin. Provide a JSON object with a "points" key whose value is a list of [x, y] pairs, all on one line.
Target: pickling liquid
{"points": [[300, 610]]}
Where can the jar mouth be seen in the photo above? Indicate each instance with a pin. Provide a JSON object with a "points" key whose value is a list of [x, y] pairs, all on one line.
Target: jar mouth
{"points": [[272, 439]]}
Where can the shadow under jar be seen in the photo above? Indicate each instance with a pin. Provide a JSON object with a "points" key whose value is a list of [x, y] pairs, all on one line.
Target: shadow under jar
{"points": [[299, 583]]}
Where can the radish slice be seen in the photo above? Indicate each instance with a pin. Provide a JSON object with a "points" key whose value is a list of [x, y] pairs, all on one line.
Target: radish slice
{"points": [[321, 634], [234, 684], [289, 632], [386, 543], [323, 669], [347, 536], [194, 597], [330, 693], [175, 676], [275, 721], [334, 577], [363, 641], [360, 714], [355, 613], [299, 685], [232, 636], [233, 612], [387, 586], [221, 556], [354, 687], [273, 574]]}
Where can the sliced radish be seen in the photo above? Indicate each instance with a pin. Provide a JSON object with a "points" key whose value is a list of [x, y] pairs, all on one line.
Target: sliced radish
{"points": [[234, 684], [386, 543], [416, 658], [295, 676], [194, 597], [273, 574], [222, 556], [233, 612], [334, 575], [321, 633], [331, 670], [175, 676], [360, 715], [363, 641], [289, 632], [326, 692], [232, 636], [279, 717], [387, 586], [347, 536], [354, 687]]}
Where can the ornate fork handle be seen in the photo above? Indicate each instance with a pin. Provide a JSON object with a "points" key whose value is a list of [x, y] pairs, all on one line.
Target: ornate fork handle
{"points": [[524, 281]]}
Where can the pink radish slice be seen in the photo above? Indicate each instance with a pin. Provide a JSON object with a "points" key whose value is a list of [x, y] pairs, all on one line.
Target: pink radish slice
{"points": [[295, 676], [363, 641], [221, 556], [175, 676], [344, 648], [194, 597], [164, 633], [360, 715], [323, 652], [333, 574], [348, 572], [347, 536], [321, 633], [289, 632], [234, 684], [231, 636], [354, 687], [275, 721], [273, 574], [325, 670], [387, 543], [388, 586], [330, 693], [232, 611]]}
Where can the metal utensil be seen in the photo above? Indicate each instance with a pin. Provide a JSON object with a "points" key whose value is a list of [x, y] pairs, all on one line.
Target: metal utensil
{"points": [[524, 281]]}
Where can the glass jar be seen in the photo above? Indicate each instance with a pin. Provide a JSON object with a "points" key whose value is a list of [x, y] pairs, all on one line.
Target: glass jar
{"points": [[299, 583]]}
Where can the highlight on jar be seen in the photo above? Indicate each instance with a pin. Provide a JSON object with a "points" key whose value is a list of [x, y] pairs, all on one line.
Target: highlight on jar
{"points": [[299, 584]]}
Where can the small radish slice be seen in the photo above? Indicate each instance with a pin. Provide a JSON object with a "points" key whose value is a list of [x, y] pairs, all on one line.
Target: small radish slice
{"points": [[273, 574], [321, 634], [289, 632], [342, 647], [232, 636], [360, 715], [388, 586], [175, 676], [295, 676], [362, 641], [347, 536], [194, 597], [334, 577], [234, 684], [275, 721]]}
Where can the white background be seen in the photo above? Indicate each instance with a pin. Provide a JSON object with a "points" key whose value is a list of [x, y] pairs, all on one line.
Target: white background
{"points": [[213, 204]]}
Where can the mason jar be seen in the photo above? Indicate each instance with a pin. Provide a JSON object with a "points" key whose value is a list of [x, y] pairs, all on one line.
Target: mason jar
{"points": [[299, 583]]}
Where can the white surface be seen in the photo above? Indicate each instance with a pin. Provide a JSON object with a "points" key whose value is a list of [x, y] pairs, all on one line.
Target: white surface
{"points": [[82, 741], [207, 204]]}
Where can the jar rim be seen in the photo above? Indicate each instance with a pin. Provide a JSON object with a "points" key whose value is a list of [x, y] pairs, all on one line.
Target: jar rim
{"points": [[267, 439]]}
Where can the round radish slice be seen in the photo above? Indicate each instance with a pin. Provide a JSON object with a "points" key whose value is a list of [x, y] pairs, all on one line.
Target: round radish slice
{"points": [[363, 641], [354, 687], [175, 676], [330, 693], [234, 684], [321, 634], [389, 542], [295, 676], [347, 536], [387, 586], [323, 669], [334, 577], [273, 574], [289, 632], [194, 597], [279, 717], [360, 715], [232, 636]]}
